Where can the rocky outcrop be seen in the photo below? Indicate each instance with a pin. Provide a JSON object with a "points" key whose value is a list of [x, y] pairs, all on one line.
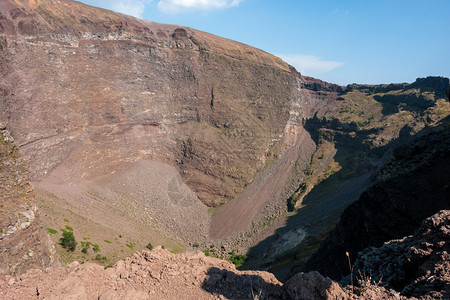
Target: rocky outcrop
{"points": [[430, 84], [408, 189], [147, 275], [23, 244], [94, 90], [417, 265], [159, 274], [313, 286]]}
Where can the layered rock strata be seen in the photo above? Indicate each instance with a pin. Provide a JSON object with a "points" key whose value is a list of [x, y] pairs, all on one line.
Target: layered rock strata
{"points": [[23, 243]]}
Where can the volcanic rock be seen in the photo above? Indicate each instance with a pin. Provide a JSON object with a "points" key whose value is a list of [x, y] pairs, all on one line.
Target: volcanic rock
{"points": [[408, 189], [95, 90], [417, 265], [23, 244]]}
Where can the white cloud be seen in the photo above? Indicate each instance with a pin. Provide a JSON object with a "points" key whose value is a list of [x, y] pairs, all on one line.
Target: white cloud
{"points": [[175, 6], [130, 7], [134, 8], [309, 64], [137, 7]]}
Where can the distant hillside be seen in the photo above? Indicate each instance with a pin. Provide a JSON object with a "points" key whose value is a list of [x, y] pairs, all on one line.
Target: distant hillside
{"points": [[412, 186]]}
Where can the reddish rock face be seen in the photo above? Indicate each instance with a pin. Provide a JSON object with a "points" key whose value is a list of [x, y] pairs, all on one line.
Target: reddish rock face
{"points": [[95, 90], [23, 244]]}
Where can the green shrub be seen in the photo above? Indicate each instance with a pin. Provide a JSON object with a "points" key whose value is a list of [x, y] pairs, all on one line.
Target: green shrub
{"points": [[237, 259], [69, 228], [99, 257], [68, 241], [149, 246], [96, 247], [52, 231], [109, 242]]}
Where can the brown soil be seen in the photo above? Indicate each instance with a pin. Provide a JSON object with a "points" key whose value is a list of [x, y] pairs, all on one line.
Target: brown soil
{"points": [[237, 215], [147, 275], [104, 212], [158, 274]]}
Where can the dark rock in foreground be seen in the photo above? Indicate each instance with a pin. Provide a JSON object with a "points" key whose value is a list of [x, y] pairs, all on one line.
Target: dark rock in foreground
{"points": [[411, 187], [417, 265]]}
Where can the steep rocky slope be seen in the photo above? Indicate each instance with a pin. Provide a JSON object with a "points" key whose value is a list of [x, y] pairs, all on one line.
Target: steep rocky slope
{"points": [[411, 187], [98, 90], [92, 97], [354, 131], [137, 132], [23, 244]]}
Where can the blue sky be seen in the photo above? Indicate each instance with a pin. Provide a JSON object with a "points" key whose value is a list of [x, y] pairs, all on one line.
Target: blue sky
{"points": [[340, 41]]}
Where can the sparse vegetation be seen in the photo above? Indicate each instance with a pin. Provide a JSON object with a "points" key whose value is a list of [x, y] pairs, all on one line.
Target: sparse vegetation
{"points": [[296, 196], [69, 228], [52, 231], [100, 258], [96, 247], [351, 268], [149, 246], [68, 241], [237, 259], [85, 245], [107, 241], [130, 245], [365, 281], [268, 221]]}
